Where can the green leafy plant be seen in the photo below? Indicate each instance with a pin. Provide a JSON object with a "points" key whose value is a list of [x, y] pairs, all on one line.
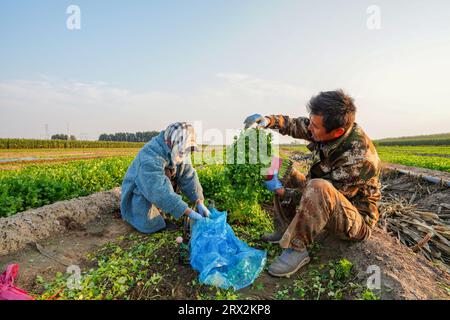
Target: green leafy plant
{"points": [[38, 185], [369, 295]]}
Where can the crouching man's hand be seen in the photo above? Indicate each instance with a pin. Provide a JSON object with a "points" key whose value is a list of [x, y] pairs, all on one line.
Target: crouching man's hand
{"points": [[275, 185], [259, 120]]}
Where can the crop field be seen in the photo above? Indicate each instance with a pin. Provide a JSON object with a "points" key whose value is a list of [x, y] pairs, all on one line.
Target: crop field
{"points": [[60, 174], [442, 139], [38, 185], [141, 267], [430, 157], [224, 150], [13, 159]]}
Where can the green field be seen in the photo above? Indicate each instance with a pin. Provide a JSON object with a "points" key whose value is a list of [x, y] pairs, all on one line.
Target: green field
{"points": [[35, 185], [63, 144], [430, 139], [430, 157], [38, 185]]}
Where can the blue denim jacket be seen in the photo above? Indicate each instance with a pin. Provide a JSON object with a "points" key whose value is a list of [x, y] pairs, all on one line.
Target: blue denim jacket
{"points": [[146, 184]]}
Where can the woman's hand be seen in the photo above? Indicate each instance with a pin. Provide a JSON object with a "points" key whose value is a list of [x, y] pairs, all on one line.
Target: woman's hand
{"points": [[193, 214], [204, 211]]}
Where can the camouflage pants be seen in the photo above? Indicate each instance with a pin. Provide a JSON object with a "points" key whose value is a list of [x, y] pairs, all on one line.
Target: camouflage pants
{"points": [[321, 207]]}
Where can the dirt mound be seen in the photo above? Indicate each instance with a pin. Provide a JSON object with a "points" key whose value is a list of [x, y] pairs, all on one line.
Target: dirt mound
{"points": [[404, 274], [36, 224]]}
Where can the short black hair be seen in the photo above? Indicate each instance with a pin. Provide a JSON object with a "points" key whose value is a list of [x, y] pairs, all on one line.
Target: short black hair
{"points": [[336, 107]]}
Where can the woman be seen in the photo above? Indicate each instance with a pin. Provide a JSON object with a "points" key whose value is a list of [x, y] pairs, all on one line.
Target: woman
{"points": [[161, 169]]}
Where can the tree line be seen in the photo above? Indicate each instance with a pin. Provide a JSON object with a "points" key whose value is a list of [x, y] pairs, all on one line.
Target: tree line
{"points": [[64, 144], [60, 136], [129, 137]]}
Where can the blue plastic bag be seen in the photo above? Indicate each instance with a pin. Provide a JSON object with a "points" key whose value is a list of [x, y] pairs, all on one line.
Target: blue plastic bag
{"points": [[220, 257]]}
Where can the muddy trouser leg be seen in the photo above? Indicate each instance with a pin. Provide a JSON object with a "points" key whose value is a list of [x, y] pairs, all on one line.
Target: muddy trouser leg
{"points": [[283, 214], [321, 207]]}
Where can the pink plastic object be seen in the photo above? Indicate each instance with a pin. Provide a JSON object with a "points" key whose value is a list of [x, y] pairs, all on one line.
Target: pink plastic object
{"points": [[274, 167], [7, 289]]}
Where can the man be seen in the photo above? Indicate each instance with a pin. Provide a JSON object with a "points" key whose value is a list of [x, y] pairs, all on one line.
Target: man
{"points": [[341, 190], [160, 170]]}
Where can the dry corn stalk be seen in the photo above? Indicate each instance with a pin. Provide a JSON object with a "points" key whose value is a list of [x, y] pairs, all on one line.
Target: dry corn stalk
{"points": [[423, 231]]}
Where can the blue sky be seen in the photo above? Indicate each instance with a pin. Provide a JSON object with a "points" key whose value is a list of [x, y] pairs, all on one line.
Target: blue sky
{"points": [[140, 65]]}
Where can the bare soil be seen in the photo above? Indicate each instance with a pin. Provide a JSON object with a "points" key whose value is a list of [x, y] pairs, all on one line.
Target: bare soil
{"points": [[404, 274], [38, 224], [54, 254]]}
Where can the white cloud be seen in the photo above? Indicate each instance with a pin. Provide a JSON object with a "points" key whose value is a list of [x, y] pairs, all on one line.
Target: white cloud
{"points": [[263, 88], [92, 108]]}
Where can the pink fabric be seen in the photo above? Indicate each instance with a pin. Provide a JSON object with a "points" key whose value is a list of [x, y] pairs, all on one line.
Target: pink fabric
{"points": [[7, 289], [276, 165]]}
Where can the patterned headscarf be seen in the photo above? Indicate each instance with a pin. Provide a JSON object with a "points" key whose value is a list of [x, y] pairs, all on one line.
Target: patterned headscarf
{"points": [[181, 136]]}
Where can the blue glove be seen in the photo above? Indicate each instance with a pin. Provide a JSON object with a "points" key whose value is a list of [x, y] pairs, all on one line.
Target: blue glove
{"points": [[195, 215], [261, 122], [274, 184], [204, 211]]}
